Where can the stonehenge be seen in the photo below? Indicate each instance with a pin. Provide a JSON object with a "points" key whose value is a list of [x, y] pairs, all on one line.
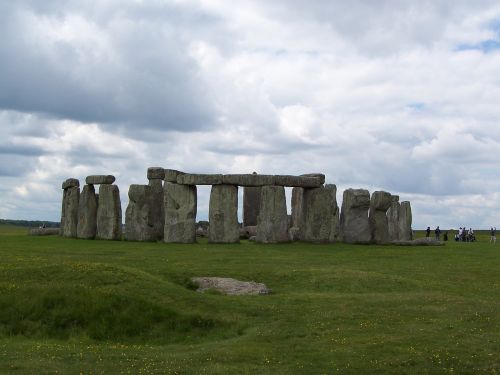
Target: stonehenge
{"points": [[89, 215], [165, 210]]}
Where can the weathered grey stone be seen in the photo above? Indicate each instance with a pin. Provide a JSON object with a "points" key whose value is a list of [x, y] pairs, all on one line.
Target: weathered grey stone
{"points": [[230, 286], [70, 182], [180, 213], [297, 210], [321, 176], [201, 232], [156, 173], [251, 204], [171, 175], [87, 213], [297, 181], [321, 215], [379, 204], [44, 231], [223, 214], [248, 179], [405, 221], [109, 213], [199, 179], [354, 225], [272, 223], [144, 218], [393, 218], [294, 233], [100, 179], [137, 214], [248, 231], [156, 215], [69, 214]]}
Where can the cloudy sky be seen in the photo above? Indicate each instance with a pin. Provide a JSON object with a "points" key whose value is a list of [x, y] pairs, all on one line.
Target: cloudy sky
{"points": [[401, 96]]}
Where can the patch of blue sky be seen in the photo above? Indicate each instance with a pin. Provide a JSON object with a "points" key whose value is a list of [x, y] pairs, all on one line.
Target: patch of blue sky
{"points": [[485, 46], [418, 106]]}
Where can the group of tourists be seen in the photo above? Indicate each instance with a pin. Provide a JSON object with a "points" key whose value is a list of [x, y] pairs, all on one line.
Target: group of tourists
{"points": [[465, 235], [437, 234]]}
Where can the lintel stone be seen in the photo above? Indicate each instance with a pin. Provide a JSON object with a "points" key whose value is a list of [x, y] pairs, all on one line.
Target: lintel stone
{"points": [[248, 179], [199, 179], [100, 179], [321, 176], [171, 175], [297, 181]]}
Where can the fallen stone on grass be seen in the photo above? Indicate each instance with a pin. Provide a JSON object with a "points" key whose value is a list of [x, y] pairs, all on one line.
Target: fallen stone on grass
{"points": [[427, 241], [230, 286], [44, 231]]}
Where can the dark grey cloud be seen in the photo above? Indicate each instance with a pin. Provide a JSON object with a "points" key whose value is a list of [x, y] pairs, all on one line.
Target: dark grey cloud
{"points": [[133, 70], [12, 165]]}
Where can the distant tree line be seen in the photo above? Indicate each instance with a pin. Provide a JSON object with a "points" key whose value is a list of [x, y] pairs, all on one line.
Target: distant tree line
{"points": [[31, 223]]}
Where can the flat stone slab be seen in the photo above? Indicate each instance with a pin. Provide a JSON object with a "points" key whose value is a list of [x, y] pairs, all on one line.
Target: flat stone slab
{"points": [[156, 173], [321, 176], [44, 231], [230, 286], [171, 175], [70, 182], [248, 179], [199, 179], [428, 241], [100, 179], [298, 181]]}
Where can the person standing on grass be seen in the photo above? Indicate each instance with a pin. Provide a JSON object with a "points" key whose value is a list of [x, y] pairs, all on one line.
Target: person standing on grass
{"points": [[493, 234], [428, 232], [437, 232]]}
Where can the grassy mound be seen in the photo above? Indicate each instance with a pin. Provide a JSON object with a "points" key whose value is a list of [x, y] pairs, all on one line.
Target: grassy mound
{"points": [[100, 302]]}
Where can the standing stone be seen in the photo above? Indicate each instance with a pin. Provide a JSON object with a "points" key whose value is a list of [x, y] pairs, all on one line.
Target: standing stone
{"points": [[156, 217], [69, 212], [393, 218], [137, 214], [321, 214], [272, 222], [109, 213], [180, 213], [297, 212], [354, 225], [379, 204], [223, 214], [87, 213], [251, 204], [405, 221]]}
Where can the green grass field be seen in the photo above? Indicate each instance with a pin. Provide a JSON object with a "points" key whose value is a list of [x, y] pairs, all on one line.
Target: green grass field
{"points": [[97, 307]]}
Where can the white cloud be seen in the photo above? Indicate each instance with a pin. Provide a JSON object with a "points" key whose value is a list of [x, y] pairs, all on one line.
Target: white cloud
{"points": [[388, 95]]}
